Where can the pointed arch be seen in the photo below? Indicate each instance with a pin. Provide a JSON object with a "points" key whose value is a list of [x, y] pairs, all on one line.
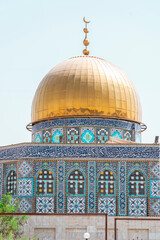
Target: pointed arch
{"points": [[136, 183], [76, 185], [45, 182], [106, 184], [11, 185]]}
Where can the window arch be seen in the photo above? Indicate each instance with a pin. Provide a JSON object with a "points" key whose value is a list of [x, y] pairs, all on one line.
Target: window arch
{"points": [[45, 182], [137, 183], [106, 183], [76, 183], [11, 183]]}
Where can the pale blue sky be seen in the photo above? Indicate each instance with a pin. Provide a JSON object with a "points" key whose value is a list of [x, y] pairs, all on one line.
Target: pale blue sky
{"points": [[35, 35]]}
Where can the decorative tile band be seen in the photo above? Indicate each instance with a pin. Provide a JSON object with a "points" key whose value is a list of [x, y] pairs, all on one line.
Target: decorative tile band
{"points": [[122, 188], [92, 187], [60, 187], [85, 131], [54, 151], [87, 121]]}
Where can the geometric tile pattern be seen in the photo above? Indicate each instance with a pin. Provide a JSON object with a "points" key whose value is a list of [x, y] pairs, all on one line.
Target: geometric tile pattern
{"points": [[91, 187], [25, 187], [102, 135], [155, 188], [127, 135], [137, 207], [37, 137], [31, 150], [25, 168], [87, 135], [25, 205], [73, 135], [107, 205], [98, 122], [72, 165], [122, 188], [117, 133], [154, 207], [45, 205], [60, 186], [40, 165], [155, 170], [141, 166], [57, 135], [76, 205], [47, 136]]}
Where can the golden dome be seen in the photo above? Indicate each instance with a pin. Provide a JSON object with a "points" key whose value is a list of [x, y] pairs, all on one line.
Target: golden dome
{"points": [[86, 87]]}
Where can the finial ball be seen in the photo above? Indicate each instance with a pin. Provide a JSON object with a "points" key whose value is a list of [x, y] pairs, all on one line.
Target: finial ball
{"points": [[85, 30], [86, 42], [86, 52]]}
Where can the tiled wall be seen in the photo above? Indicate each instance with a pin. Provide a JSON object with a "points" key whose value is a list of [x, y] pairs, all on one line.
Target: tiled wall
{"points": [[119, 202], [86, 130]]}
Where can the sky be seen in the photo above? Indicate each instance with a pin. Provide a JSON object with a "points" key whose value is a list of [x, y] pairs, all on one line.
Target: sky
{"points": [[37, 35]]}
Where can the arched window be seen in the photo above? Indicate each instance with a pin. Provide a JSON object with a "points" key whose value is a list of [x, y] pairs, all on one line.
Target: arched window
{"points": [[45, 183], [106, 183], [137, 183], [76, 183], [11, 183]]}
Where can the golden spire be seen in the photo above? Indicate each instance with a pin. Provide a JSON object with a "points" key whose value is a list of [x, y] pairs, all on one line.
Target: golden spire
{"points": [[85, 41]]}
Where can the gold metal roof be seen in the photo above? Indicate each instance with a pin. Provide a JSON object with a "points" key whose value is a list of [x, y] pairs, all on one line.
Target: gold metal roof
{"points": [[86, 87]]}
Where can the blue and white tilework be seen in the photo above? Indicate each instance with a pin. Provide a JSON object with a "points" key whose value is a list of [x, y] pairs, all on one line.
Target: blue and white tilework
{"points": [[141, 166], [87, 122], [87, 135], [137, 207], [117, 133], [102, 135], [122, 188], [154, 188], [107, 205], [45, 205], [46, 136], [50, 165], [60, 186], [73, 135], [37, 137], [91, 187], [112, 166], [154, 207], [127, 135], [76, 205], [25, 187], [25, 205], [31, 150], [57, 135], [155, 170], [25, 168]]}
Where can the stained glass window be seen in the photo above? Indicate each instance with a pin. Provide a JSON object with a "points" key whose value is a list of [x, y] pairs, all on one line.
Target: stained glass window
{"points": [[76, 183], [45, 183], [11, 183], [137, 183], [106, 183]]}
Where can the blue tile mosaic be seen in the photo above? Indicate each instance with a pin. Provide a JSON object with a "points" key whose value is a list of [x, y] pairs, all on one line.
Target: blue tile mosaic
{"points": [[154, 186], [87, 122], [137, 207], [52, 151], [60, 186], [92, 187], [1, 180], [122, 188]]}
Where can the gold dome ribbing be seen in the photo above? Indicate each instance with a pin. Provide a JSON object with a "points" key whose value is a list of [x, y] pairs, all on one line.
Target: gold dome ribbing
{"points": [[86, 87]]}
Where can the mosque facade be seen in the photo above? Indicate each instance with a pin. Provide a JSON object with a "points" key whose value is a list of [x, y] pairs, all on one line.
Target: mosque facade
{"points": [[86, 154]]}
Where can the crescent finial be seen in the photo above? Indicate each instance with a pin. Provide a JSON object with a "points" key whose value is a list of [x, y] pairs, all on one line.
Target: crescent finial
{"points": [[85, 20], [85, 42]]}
